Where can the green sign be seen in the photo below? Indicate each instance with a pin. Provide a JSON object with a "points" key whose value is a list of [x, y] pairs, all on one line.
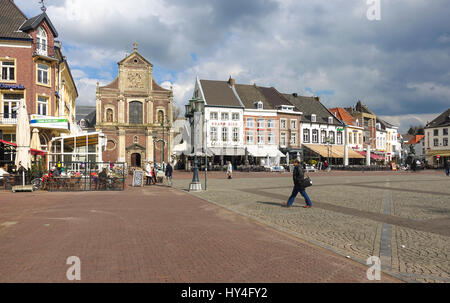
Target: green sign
{"points": [[340, 129], [49, 121]]}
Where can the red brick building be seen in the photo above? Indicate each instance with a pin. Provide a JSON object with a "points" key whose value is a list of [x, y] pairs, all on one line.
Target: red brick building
{"points": [[135, 114], [33, 70]]}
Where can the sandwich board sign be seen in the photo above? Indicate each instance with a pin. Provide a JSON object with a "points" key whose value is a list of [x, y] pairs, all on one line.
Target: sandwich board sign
{"points": [[138, 178]]}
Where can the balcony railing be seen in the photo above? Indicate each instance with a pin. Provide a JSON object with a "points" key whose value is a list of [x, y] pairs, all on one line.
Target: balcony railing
{"points": [[8, 118], [43, 50]]}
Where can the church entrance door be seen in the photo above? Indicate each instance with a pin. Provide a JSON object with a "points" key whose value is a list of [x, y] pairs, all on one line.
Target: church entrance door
{"points": [[136, 160]]}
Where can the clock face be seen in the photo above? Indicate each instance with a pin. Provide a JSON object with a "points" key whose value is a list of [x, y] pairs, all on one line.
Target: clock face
{"points": [[135, 80]]}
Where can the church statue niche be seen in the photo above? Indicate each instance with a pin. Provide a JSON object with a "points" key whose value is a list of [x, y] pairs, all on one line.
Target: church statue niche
{"points": [[109, 115], [160, 116]]}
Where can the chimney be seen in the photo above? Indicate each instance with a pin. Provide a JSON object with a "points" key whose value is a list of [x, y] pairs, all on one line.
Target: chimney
{"points": [[295, 94], [231, 81], [318, 98]]}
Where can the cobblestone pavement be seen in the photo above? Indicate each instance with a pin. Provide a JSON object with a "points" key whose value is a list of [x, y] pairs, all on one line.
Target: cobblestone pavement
{"points": [[404, 218], [156, 234]]}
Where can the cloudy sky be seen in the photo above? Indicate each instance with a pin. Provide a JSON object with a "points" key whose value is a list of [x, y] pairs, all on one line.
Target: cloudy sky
{"points": [[399, 65]]}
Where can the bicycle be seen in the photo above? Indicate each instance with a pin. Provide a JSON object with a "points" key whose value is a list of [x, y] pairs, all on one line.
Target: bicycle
{"points": [[37, 184]]}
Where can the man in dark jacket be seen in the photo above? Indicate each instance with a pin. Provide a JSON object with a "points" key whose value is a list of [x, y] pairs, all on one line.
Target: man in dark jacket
{"points": [[298, 177], [169, 171], [447, 167]]}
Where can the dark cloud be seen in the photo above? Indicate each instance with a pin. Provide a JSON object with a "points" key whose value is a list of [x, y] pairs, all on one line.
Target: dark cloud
{"points": [[399, 65]]}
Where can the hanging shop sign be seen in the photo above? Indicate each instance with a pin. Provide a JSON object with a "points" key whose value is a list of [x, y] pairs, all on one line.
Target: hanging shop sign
{"points": [[49, 122]]}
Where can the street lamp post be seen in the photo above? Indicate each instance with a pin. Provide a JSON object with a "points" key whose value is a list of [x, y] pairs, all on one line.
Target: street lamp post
{"points": [[328, 142], [163, 141], [193, 112], [206, 155]]}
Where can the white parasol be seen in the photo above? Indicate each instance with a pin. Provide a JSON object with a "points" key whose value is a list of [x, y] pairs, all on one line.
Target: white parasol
{"points": [[23, 137], [35, 141]]}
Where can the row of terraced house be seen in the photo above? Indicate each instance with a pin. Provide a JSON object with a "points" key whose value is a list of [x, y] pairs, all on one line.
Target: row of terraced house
{"points": [[250, 124]]}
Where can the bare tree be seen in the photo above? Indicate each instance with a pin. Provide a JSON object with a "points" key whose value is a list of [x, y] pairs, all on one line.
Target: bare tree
{"points": [[177, 112]]}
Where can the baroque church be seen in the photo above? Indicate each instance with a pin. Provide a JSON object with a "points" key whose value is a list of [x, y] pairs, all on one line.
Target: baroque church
{"points": [[135, 114]]}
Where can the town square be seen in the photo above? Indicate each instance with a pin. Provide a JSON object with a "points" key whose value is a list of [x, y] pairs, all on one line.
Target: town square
{"points": [[243, 153]]}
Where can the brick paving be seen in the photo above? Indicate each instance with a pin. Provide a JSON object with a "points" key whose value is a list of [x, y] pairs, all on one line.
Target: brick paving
{"points": [[402, 217], [154, 234]]}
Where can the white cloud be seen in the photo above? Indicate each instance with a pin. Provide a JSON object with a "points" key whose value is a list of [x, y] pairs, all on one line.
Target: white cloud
{"points": [[87, 90], [398, 65]]}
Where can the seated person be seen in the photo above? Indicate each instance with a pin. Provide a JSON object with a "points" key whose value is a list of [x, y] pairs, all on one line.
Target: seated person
{"points": [[55, 172], [103, 176]]}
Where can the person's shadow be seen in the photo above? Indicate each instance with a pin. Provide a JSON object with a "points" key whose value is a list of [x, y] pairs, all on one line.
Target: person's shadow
{"points": [[274, 203]]}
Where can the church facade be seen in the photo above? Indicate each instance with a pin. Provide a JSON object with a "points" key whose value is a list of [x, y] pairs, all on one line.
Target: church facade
{"points": [[135, 114]]}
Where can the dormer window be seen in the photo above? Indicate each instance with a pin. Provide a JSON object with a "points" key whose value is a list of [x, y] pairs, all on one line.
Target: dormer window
{"points": [[259, 105], [378, 126], [330, 120], [286, 108], [41, 41], [313, 118]]}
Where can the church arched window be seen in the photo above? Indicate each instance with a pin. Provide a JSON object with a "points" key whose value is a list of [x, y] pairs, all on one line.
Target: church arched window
{"points": [[135, 114]]}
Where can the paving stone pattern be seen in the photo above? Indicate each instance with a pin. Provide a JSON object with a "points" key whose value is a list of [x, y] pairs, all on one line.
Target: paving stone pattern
{"points": [[402, 218]]}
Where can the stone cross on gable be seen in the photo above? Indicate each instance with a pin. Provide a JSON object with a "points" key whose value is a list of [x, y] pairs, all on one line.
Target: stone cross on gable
{"points": [[135, 46]]}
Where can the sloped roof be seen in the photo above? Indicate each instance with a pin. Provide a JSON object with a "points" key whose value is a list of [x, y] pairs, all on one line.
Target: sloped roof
{"points": [[442, 120], [407, 137], [310, 106], [157, 87], [91, 119], [219, 93], [415, 139], [83, 111], [250, 94], [113, 85], [274, 97], [343, 115], [34, 22], [384, 123], [11, 19]]}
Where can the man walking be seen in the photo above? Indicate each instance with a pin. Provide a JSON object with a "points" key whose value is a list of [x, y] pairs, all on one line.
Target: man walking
{"points": [[447, 167], [169, 171], [229, 170], [298, 177]]}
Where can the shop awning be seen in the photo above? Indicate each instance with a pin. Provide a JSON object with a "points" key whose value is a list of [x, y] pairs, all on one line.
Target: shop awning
{"points": [[228, 151], [335, 151], [34, 152], [372, 156], [262, 151], [181, 148], [442, 153]]}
